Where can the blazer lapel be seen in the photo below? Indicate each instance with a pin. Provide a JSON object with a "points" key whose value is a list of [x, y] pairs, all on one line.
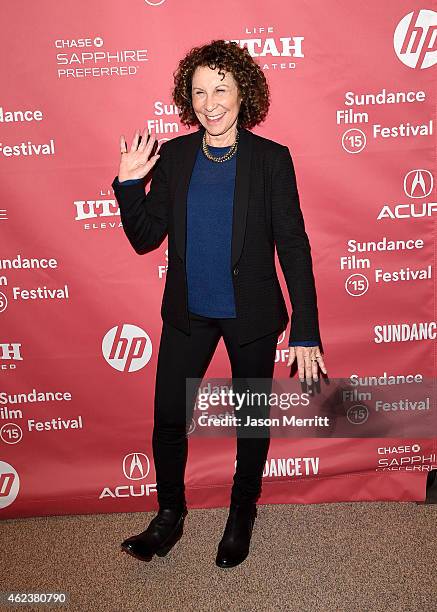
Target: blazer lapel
{"points": [[188, 155]]}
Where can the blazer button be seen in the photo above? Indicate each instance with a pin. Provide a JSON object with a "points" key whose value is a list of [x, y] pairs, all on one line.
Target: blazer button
{"points": [[236, 271]]}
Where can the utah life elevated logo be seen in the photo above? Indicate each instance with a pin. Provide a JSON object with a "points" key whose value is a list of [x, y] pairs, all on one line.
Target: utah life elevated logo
{"points": [[127, 348]]}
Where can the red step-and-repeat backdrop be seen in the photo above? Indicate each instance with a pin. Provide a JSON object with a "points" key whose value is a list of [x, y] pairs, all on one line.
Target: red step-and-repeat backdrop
{"points": [[353, 97]]}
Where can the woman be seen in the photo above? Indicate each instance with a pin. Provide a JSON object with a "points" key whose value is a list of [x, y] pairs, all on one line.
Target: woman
{"points": [[224, 197]]}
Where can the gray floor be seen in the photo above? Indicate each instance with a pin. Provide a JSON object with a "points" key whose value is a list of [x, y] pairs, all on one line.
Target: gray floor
{"points": [[326, 557]]}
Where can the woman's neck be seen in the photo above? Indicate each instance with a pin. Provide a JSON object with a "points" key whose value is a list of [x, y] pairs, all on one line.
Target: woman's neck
{"points": [[222, 140]]}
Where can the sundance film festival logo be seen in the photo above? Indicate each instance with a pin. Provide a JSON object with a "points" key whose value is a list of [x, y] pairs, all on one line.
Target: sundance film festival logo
{"points": [[415, 39], [9, 484], [127, 348], [3, 299], [11, 433]]}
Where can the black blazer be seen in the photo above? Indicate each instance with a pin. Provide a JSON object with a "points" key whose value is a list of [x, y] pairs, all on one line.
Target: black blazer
{"points": [[266, 213]]}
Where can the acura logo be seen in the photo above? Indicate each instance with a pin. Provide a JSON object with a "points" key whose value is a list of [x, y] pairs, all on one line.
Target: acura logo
{"points": [[136, 466], [418, 183]]}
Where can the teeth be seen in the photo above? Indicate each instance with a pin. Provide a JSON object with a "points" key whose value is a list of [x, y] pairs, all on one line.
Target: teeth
{"points": [[216, 116]]}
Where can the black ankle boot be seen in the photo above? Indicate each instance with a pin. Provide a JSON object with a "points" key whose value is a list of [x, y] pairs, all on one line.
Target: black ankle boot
{"points": [[234, 546], [164, 530]]}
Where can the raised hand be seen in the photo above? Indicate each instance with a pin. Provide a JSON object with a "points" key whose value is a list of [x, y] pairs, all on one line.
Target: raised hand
{"points": [[135, 163]]}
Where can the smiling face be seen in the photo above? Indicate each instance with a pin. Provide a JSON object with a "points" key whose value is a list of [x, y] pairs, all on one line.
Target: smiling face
{"points": [[216, 102]]}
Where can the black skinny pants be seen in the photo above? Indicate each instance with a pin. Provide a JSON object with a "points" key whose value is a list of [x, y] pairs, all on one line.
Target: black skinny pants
{"points": [[184, 356]]}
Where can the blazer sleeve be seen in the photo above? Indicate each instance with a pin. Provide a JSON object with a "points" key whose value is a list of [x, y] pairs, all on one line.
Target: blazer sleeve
{"points": [[293, 247], [145, 216]]}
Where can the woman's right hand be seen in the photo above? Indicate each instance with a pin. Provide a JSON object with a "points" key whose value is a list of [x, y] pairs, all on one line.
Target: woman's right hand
{"points": [[135, 163]]}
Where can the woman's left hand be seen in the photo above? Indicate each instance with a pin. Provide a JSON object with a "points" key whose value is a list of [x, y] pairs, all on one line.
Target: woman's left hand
{"points": [[309, 358]]}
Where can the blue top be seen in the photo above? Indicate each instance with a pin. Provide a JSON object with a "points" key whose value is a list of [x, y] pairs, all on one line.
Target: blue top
{"points": [[210, 201]]}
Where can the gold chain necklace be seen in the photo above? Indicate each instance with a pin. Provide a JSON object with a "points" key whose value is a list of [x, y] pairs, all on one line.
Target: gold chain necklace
{"points": [[224, 157]]}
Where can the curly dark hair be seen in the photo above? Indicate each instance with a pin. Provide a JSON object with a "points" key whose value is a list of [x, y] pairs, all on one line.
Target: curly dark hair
{"points": [[229, 57]]}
